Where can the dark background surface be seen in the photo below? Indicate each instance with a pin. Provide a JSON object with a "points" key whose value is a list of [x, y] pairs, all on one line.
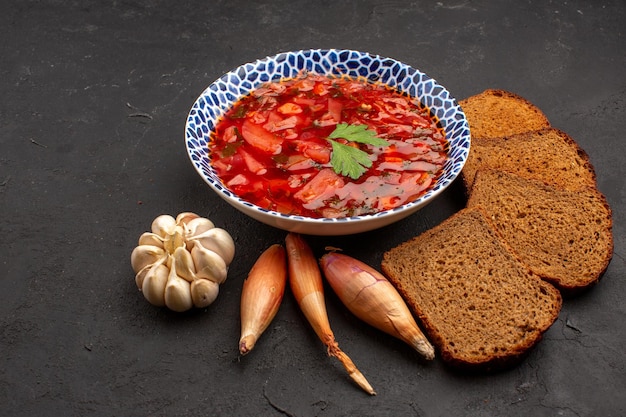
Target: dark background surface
{"points": [[93, 101]]}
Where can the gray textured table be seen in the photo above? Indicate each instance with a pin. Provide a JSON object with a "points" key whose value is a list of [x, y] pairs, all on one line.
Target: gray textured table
{"points": [[93, 101]]}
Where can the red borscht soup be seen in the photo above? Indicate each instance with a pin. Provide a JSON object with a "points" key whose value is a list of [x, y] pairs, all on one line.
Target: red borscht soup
{"points": [[327, 147]]}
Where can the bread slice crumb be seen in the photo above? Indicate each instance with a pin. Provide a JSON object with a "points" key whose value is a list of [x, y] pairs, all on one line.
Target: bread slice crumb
{"points": [[498, 113], [549, 155], [563, 236], [480, 306]]}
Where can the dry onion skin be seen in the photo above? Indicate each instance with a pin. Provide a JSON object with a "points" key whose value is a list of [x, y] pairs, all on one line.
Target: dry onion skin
{"points": [[373, 299], [261, 295], [305, 281], [182, 261]]}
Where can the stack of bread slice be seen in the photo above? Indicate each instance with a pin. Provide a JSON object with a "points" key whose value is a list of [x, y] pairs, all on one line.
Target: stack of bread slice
{"points": [[488, 281]]}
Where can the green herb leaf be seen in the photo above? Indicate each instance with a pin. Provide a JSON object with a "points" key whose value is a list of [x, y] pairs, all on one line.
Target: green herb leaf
{"points": [[357, 133], [347, 160]]}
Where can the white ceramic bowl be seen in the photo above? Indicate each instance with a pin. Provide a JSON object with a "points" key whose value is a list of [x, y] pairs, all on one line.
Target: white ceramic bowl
{"points": [[224, 92]]}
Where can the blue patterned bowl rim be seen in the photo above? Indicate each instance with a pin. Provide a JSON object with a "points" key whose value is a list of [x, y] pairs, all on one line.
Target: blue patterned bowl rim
{"points": [[218, 97]]}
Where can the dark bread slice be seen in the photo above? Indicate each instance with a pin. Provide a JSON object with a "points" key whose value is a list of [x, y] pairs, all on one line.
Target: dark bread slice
{"points": [[480, 306], [563, 236], [549, 155], [498, 113]]}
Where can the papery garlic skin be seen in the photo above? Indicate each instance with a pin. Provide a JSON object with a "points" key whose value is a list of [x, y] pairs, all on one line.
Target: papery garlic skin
{"points": [[181, 261], [151, 239]]}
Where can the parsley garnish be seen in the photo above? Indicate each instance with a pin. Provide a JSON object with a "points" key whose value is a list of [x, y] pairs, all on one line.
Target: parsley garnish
{"points": [[347, 160]]}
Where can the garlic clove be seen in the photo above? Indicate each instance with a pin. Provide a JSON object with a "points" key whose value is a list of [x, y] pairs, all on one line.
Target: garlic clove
{"points": [[177, 290], [141, 274], [178, 294], [204, 292], [145, 255], [163, 225], [185, 217], [209, 264], [184, 264], [198, 226], [219, 241], [149, 238], [153, 285]]}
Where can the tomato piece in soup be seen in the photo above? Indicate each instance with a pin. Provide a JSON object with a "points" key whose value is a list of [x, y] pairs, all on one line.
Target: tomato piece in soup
{"points": [[261, 139], [320, 188], [316, 149]]}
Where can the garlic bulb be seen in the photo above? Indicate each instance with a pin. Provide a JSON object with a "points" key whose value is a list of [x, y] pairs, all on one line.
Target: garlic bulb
{"points": [[182, 261]]}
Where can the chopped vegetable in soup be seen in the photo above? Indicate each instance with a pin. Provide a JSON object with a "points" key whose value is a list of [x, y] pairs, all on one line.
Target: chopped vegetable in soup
{"points": [[319, 146]]}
